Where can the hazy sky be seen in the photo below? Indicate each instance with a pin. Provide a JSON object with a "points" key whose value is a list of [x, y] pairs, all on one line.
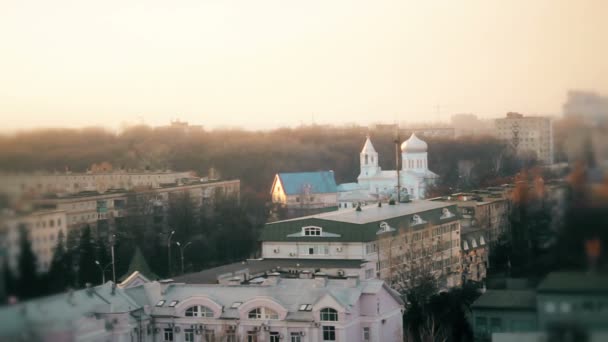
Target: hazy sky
{"points": [[262, 63]]}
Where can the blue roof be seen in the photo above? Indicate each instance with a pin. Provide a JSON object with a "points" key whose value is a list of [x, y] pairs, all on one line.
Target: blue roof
{"points": [[319, 182]]}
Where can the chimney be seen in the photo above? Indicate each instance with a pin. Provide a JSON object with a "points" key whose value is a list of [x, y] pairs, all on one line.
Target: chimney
{"points": [[89, 289], [272, 279], [113, 289], [305, 274], [234, 281], [352, 280], [320, 279]]}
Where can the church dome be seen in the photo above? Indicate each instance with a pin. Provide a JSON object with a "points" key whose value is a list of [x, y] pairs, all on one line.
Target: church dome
{"points": [[414, 145]]}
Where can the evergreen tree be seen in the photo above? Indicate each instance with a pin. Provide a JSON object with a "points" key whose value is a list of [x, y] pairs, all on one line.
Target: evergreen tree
{"points": [[71, 257], [10, 286], [87, 269], [61, 267], [28, 278]]}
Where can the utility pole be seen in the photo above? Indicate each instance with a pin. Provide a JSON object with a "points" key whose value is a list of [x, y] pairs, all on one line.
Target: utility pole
{"points": [[112, 241], [181, 252], [169, 251], [397, 140]]}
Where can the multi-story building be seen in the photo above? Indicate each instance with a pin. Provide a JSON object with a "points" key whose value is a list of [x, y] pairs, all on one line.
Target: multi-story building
{"points": [[564, 304], [530, 136], [471, 125], [101, 210], [271, 309], [27, 186], [486, 209], [395, 241], [474, 254], [43, 227]]}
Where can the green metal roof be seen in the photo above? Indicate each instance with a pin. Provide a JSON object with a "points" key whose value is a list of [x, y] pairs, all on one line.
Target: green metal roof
{"points": [[139, 263], [319, 182], [574, 282], [360, 226], [506, 300]]}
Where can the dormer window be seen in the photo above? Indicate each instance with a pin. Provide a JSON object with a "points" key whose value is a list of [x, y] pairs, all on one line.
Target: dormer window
{"points": [[312, 231], [161, 302], [262, 313], [416, 219], [446, 213]]}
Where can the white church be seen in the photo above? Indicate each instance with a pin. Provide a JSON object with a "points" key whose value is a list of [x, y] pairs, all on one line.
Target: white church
{"points": [[375, 184]]}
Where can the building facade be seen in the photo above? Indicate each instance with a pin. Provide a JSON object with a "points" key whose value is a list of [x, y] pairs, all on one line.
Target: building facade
{"points": [[35, 185], [43, 229], [304, 193], [530, 136], [102, 211], [273, 309], [396, 241]]}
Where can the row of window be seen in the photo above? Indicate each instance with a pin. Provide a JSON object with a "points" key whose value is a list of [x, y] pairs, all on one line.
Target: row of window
{"points": [[264, 313], [329, 334], [43, 224]]}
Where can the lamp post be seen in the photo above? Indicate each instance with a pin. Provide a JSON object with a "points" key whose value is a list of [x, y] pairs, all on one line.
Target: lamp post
{"points": [[181, 252], [112, 242], [103, 270], [169, 251]]}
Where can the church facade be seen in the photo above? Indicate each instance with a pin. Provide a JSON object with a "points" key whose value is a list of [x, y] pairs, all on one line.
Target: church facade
{"points": [[377, 184]]}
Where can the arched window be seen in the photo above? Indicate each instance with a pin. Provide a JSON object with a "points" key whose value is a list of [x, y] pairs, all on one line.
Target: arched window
{"points": [[199, 311], [312, 231], [329, 314], [366, 159], [262, 313]]}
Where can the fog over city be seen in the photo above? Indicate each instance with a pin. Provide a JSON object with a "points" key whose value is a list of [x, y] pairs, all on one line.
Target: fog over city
{"points": [[304, 171], [269, 63]]}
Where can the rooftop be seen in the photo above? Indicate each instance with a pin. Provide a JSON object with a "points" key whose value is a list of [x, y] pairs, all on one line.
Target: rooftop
{"points": [[506, 300], [574, 282], [258, 267], [374, 213], [317, 182]]}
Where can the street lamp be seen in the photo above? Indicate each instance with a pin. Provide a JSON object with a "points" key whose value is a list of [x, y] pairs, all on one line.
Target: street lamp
{"points": [[181, 252], [169, 251], [112, 242], [103, 270]]}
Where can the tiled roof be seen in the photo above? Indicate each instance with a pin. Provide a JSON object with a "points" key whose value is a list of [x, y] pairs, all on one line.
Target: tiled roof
{"points": [[506, 300], [319, 182]]}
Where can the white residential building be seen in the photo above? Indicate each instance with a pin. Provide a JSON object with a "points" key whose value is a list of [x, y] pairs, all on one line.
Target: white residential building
{"points": [[43, 228], [271, 309], [530, 136]]}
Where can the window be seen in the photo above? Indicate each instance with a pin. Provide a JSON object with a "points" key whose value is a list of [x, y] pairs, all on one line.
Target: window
{"points": [[173, 303], [369, 273], [366, 334], [252, 336], [199, 311], [329, 333], [312, 231], [168, 335], [274, 336], [230, 336], [209, 336], [495, 324], [482, 324], [305, 307], [189, 335], [296, 337], [161, 302], [262, 313], [236, 305], [329, 315]]}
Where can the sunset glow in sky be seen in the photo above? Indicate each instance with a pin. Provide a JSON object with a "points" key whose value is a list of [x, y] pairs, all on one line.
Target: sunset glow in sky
{"points": [[267, 63]]}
